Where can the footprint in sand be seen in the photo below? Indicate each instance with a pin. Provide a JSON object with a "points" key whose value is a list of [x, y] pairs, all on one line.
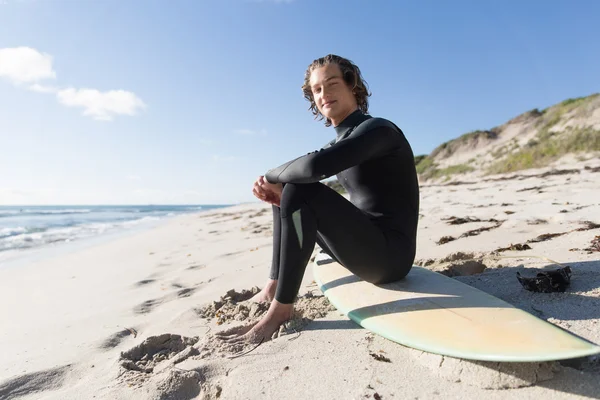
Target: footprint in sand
{"points": [[185, 292], [144, 282], [155, 349], [196, 266], [147, 306], [115, 339], [233, 253], [152, 359], [35, 382]]}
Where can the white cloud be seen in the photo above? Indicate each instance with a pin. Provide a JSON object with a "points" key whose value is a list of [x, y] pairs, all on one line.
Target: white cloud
{"points": [[25, 65], [133, 177], [250, 132], [101, 105], [36, 87]]}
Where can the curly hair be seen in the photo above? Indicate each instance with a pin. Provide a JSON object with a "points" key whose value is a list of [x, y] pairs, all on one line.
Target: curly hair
{"points": [[350, 73]]}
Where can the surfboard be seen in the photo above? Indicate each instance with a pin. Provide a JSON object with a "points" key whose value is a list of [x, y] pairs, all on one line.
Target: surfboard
{"points": [[434, 313]]}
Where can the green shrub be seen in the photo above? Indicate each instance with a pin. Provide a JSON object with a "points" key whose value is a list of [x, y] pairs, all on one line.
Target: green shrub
{"points": [[455, 169], [544, 151], [499, 152], [433, 172], [336, 185], [419, 158], [425, 164]]}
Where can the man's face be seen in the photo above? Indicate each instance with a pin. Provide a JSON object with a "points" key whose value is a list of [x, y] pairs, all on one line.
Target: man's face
{"points": [[331, 94]]}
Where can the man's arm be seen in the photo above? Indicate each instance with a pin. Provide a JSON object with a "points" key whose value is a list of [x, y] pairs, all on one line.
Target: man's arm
{"points": [[372, 140], [276, 171]]}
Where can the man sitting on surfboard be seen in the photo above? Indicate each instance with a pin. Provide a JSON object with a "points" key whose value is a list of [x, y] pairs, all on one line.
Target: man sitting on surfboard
{"points": [[373, 234]]}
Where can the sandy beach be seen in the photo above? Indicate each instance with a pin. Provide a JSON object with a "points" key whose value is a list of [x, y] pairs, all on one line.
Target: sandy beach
{"points": [[133, 318]]}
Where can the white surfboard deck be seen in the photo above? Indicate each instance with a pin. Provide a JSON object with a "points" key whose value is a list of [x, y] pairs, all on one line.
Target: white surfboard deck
{"points": [[437, 314]]}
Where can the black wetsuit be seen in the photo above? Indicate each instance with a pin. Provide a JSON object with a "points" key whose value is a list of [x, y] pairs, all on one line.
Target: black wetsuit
{"points": [[374, 233]]}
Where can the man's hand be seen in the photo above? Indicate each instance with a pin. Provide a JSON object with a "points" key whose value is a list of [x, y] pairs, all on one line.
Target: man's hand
{"points": [[267, 192], [276, 188]]}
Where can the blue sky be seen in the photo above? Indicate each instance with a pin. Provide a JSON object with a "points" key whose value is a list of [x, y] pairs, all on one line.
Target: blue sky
{"points": [[188, 102]]}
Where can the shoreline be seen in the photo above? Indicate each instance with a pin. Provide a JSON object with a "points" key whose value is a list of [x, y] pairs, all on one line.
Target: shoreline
{"points": [[17, 257], [102, 267]]}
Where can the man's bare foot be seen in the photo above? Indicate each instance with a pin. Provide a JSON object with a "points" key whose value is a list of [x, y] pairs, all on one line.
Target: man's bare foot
{"points": [[267, 294], [263, 331], [235, 332]]}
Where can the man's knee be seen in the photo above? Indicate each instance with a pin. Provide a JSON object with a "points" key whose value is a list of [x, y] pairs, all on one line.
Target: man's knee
{"points": [[296, 194], [295, 189]]}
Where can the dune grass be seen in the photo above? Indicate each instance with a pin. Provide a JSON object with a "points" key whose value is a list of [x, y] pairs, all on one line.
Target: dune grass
{"points": [[548, 147], [427, 169]]}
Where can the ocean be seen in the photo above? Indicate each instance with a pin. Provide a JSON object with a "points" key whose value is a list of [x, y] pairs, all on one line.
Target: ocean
{"points": [[26, 228]]}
